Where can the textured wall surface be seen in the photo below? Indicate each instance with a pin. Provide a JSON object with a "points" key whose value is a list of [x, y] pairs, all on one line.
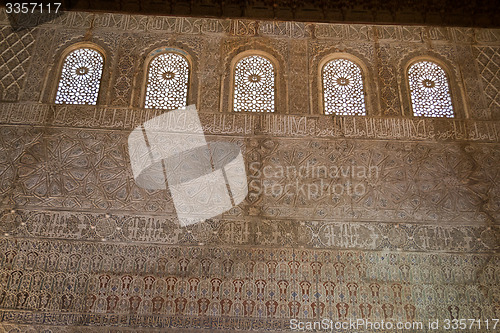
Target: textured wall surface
{"points": [[416, 238]]}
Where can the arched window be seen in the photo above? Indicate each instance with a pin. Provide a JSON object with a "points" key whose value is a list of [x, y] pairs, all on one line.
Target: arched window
{"points": [[343, 88], [429, 89], [80, 77], [167, 85], [254, 85]]}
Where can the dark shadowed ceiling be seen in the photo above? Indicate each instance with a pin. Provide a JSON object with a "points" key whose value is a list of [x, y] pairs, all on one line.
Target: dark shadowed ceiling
{"points": [[472, 13]]}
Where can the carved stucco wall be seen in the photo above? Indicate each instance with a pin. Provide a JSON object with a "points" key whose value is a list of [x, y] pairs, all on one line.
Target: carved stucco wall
{"points": [[84, 248]]}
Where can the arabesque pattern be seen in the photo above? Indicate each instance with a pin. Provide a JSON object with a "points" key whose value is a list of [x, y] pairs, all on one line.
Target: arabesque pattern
{"points": [[15, 56], [488, 60], [266, 287], [384, 216]]}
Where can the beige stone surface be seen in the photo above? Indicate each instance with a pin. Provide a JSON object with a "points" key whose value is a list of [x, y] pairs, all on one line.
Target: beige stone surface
{"points": [[84, 249]]}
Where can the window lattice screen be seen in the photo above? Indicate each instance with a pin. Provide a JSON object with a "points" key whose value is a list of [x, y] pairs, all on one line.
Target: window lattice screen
{"points": [[80, 77], [254, 85], [429, 89], [343, 88], [167, 85]]}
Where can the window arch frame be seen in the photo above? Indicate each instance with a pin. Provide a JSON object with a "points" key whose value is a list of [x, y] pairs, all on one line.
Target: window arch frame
{"points": [[242, 55], [62, 58], [147, 63], [364, 78], [452, 90]]}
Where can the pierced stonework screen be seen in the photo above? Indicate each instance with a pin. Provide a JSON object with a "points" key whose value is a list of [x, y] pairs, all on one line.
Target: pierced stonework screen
{"points": [[430, 92], [254, 85], [343, 88], [80, 77], [167, 85]]}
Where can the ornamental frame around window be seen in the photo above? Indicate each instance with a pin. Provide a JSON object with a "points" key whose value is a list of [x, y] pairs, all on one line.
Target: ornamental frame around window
{"points": [[62, 58], [364, 79], [460, 110], [241, 56], [151, 56]]}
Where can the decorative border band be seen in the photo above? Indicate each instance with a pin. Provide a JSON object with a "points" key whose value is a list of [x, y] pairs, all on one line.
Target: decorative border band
{"points": [[319, 126]]}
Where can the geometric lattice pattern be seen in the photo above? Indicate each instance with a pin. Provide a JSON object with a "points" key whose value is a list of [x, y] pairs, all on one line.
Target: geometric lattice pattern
{"points": [[430, 92], [14, 58], [343, 88], [168, 77], [80, 77], [488, 60], [254, 85]]}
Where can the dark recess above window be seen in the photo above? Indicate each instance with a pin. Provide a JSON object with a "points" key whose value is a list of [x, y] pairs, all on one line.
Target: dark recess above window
{"points": [[465, 13]]}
